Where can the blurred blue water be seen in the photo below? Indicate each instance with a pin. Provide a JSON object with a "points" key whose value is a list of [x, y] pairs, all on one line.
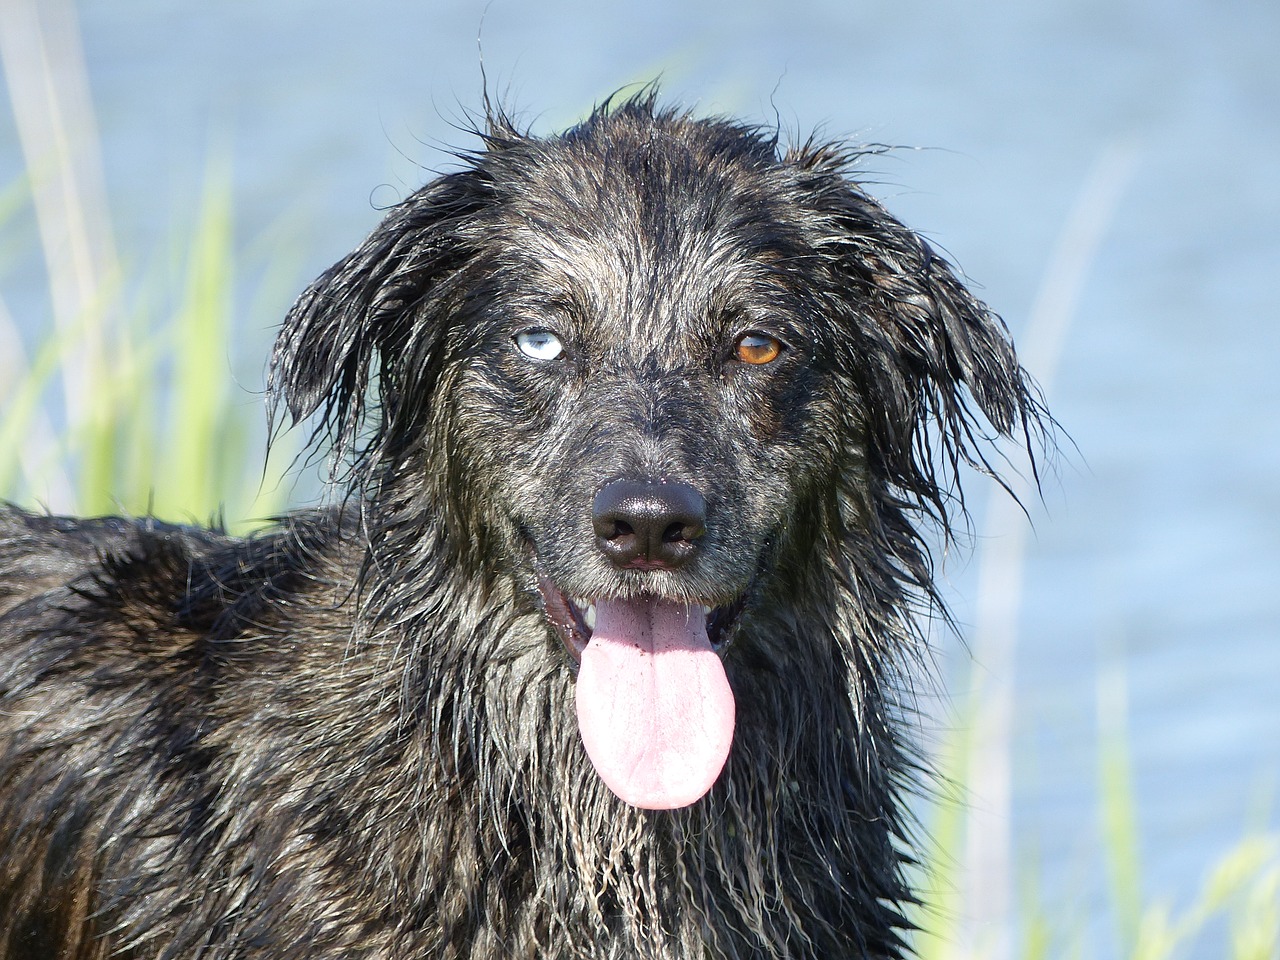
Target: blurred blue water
{"points": [[1157, 547]]}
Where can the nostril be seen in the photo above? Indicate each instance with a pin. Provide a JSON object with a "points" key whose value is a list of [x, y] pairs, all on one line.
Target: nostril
{"points": [[608, 527], [682, 532]]}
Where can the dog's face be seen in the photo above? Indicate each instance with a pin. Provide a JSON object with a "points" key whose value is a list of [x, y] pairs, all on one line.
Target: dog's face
{"points": [[648, 400], [642, 339], [651, 364]]}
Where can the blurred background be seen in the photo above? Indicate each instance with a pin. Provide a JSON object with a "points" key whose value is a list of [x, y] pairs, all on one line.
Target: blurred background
{"points": [[1107, 174]]}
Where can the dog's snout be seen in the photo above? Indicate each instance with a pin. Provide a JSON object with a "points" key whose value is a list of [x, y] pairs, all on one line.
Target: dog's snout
{"points": [[648, 525]]}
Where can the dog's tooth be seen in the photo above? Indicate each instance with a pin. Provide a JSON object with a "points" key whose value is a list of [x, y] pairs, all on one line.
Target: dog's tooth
{"points": [[589, 616]]}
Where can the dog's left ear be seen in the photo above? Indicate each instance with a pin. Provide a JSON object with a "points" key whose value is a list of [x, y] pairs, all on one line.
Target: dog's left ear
{"points": [[928, 353], [373, 308]]}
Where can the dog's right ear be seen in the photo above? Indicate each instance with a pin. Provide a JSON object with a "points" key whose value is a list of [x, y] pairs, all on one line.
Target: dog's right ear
{"points": [[937, 370], [372, 308]]}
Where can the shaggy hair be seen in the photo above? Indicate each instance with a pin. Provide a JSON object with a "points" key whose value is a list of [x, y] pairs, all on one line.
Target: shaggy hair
{"points": [[353, 734]]}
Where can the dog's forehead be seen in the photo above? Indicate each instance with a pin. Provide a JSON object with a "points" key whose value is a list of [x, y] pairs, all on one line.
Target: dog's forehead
{"points": [[656, 190], [653, 233]]}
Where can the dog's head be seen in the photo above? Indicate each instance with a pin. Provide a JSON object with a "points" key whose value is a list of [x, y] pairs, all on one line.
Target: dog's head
{"points": [[665, 377]]}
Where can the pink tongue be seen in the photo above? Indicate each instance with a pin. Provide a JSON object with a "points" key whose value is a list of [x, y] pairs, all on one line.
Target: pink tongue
{"points": [[655, 711]]}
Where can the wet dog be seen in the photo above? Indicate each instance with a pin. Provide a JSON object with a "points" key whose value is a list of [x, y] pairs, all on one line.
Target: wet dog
{"points": [[643, 430]]}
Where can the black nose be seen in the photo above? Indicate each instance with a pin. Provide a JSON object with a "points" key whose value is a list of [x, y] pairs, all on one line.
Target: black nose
{"points": [[649, 526]]}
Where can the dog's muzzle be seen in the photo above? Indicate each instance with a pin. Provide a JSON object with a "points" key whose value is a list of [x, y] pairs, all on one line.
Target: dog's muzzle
{"points": [[654, 707]]}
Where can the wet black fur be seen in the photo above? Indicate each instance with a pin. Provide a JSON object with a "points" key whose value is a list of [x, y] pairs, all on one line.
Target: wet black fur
{"points": [[352, 735]]}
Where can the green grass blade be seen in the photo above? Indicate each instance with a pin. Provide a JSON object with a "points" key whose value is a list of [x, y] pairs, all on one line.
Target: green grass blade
{"points": [[1118, 814], [194, 454]]}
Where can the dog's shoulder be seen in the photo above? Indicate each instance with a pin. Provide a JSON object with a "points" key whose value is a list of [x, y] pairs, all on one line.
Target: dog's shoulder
{"points": [[43, 556], [112, 576]]}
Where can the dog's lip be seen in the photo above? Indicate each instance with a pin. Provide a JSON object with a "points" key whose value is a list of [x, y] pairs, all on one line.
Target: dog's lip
{"points": [[573, 618], [564, 616]]}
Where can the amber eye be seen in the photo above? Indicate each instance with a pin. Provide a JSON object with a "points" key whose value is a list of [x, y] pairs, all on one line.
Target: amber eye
{"points": [[758, 348]]}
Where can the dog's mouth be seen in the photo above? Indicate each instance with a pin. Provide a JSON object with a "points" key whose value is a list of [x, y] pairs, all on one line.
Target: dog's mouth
{"points": [[574, 619], [654, 706]]}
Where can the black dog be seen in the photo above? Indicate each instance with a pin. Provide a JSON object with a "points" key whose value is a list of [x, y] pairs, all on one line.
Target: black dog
{"points": [[600, 654]]}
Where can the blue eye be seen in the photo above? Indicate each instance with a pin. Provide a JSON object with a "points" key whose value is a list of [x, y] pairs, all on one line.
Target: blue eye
{"points": [[539, 344]]}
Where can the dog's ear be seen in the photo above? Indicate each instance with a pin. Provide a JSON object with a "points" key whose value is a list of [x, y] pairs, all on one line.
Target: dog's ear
{"points": [[370, 308], [932, 360]]}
